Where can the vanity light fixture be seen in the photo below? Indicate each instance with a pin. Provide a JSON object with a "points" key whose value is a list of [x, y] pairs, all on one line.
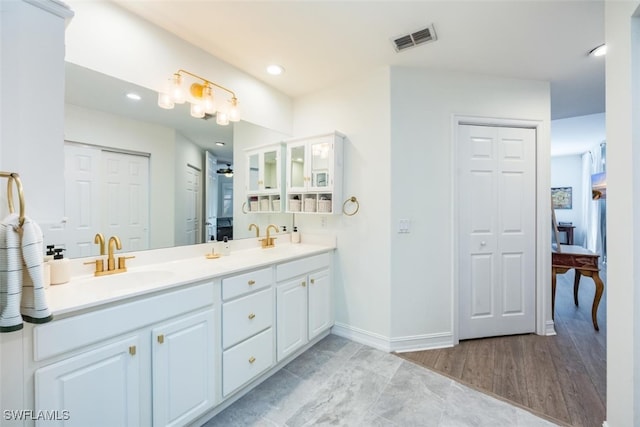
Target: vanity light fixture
{"points": [[200, 97], [220, 144], [598, 50]]}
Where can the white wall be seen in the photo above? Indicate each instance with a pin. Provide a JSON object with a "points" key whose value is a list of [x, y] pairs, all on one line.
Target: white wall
{"points": [[104, 37], [107, 130], [623, 212], [566, 171], [360, 110], [423, 103]]}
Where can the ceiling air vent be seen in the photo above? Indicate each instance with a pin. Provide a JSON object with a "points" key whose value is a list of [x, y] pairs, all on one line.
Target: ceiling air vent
{"points": [[415, 38]]}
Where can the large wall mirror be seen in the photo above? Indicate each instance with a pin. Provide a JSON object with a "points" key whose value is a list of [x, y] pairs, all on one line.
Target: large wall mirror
{"points": [[156, 178]]}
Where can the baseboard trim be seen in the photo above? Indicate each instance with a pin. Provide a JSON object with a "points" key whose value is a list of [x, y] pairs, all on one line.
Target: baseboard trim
{"points": [[389, 345], [550, 328], [361, 336]]}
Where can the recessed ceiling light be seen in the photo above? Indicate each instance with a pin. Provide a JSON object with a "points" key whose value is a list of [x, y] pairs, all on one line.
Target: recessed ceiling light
{"points": [[134, 96], [275, 70], [220, 144], [599, 50]]}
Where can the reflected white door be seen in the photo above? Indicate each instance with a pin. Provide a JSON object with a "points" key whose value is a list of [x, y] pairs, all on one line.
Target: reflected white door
{"points": [[126, 188], [193, 206], [210, 196], [496, 211], [105, 192]]}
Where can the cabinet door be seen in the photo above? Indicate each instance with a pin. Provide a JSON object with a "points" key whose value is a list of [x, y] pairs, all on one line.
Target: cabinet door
{"points": [[271, 170], [321, 165], [183, 362], [296, 167], [253, 172], [320, 307], [97, 388], [291, 308]]}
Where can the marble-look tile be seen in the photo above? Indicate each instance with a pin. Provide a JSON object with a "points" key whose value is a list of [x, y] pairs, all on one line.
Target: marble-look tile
{"points": [[527, 419], [413, 397], [377, 361], [468, 407], [344, 399]]}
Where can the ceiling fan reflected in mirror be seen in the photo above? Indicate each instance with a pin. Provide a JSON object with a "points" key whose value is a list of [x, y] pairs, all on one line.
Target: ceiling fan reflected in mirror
{"points": [[228, 172]]}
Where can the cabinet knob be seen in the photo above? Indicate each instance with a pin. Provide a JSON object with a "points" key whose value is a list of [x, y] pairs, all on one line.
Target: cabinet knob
{"points": [[313, 281], [251, 282], [483, 243], [303, 284], [132, 350], [252, 359], [160, 338], [252, 316]]}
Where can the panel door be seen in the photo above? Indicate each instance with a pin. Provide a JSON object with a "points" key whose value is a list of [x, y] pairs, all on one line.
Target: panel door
{"points": [[496, 211], [63, 386], [183, 369], [320, 307], [126, 188], [291, 309], [210, 197], [192, 208]]}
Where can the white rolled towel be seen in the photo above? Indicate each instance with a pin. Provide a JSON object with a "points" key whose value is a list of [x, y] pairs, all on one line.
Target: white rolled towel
{"points": [[22, 294]]}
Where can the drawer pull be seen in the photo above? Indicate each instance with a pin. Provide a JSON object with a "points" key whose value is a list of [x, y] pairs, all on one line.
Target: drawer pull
{"points": [[160, 338], [313, 281], [132, 350], [252, 359], [303, 284], [251, 282], [252, 316]]}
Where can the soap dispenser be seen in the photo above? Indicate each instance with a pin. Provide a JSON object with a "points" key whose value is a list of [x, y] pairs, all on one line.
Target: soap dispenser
{"points": [[46, 266], [60, 268], [295, 236], [226, 249]]}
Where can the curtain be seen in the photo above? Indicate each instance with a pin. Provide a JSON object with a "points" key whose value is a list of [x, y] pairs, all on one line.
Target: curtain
{"points": [[592, 162]]}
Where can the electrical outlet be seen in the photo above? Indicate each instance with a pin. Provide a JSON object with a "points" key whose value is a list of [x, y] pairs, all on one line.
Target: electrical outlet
{"points": [[403, 225]]}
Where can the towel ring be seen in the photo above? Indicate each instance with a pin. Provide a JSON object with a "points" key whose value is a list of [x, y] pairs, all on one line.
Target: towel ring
{"points": [[354, 200], [15, 177]]}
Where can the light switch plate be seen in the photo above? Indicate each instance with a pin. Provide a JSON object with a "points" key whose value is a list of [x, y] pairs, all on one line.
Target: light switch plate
{"points": [[403, 225]]}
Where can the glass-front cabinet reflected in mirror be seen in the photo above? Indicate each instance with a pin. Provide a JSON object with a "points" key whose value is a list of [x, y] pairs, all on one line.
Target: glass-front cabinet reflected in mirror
{"points": [[264, 179], [314, 174]]}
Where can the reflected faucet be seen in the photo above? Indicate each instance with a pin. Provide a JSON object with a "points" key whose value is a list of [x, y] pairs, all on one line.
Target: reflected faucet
{"points": [[256, 227], [99, 240]]}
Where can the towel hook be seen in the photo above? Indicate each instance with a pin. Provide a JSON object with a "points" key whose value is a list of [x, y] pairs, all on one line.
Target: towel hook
{"points": [[15, 177], [353, 200]]}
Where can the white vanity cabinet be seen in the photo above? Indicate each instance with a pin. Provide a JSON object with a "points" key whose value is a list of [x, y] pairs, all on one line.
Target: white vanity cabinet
{"points": [[264, 186], [247, 327], [314, 174], [182, 368], [303, 299], [146, 362]]}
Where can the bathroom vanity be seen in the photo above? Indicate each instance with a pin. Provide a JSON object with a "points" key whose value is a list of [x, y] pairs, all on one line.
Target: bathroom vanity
{"points": [[175, 339]]}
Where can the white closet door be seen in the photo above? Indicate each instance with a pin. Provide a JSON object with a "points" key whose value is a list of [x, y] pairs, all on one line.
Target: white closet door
{"points": [[496, 210]]}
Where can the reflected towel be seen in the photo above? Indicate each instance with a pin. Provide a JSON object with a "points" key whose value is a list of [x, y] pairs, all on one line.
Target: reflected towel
{"points": [[22, 294]]}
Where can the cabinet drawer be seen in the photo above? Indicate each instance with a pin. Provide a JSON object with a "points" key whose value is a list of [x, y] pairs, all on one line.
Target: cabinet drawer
{"points": [[302, 266], [246, 316], [246, 283], [79, 331], [246, 361]]}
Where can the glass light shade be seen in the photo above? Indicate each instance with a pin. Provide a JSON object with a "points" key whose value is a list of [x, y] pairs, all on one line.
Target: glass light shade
{"points": [[234, 112], [178, 94], [222, 118], [197, 110], [165, 101], [207, 100], [228, 174]]}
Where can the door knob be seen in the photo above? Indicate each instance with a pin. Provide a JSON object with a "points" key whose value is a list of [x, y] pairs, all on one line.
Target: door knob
{"points": [[483, 243]]}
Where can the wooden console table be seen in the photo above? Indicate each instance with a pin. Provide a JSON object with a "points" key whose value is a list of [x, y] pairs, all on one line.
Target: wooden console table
{"points": [[585, 263]]}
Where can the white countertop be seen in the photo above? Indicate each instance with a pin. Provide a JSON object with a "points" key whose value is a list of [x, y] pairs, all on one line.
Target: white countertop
{"points": [[163, 269]]}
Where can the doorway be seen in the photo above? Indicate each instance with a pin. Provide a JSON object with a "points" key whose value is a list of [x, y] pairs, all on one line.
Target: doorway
{"points": [[496, 230]]}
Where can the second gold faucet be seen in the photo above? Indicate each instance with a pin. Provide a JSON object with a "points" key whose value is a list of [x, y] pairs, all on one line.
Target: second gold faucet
{"points": [[268, 242]]}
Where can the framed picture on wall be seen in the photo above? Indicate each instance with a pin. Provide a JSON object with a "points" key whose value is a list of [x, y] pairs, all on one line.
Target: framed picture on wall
{"points": [[561, 197]]}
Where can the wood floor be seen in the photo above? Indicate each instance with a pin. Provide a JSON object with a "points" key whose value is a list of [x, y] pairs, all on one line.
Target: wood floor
{"points": [[562, 377]]}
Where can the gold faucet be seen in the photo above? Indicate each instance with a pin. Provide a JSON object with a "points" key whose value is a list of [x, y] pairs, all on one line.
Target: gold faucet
{"points": [[114, 243], [268, 242], [111, 262], [257, 229]]}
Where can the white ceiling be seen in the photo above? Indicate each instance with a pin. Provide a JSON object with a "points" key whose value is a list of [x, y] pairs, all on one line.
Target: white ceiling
{"points": [[320, 43]]}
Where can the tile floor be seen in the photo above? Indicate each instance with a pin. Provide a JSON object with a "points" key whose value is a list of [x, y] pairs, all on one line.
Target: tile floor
{"points": [[341, 383]]}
